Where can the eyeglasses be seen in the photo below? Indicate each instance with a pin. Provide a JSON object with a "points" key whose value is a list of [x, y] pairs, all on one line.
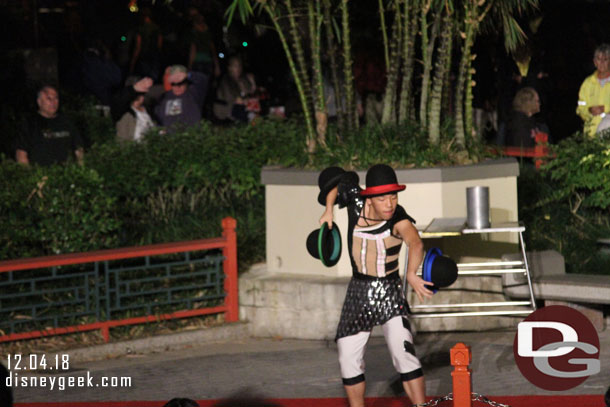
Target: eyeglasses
{"points": [[184, 82]]}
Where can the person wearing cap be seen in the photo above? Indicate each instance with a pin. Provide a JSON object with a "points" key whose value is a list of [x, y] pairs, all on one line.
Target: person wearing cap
{"points": [[377, 227], [182, 104]]}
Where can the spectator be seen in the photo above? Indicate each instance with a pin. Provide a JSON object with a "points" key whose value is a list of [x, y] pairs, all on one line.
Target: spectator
{"points": [[181, 105], [6, 395], [370, 82], [202, 55], [245, 398], [235, 98], [594, 95], [145, 59], [181, 402], [524, 68], [135, 120], [49, 137], [522, 127], [100, 74]]}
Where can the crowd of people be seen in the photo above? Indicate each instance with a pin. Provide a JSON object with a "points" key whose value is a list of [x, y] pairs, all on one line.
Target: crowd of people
{"points": [[144, 95], [156, 86]]}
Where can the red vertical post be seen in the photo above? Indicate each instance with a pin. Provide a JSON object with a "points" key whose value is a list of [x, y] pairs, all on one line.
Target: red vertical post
{"points": [[540, 149], [230, 269], [105, 333], [462, 381]]}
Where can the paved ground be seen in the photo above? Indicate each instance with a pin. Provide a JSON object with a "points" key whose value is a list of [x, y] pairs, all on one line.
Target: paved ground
{"points": [[298, 369]]}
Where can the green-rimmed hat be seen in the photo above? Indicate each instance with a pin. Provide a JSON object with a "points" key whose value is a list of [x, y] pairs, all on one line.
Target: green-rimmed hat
{"points": [[325, 244]]}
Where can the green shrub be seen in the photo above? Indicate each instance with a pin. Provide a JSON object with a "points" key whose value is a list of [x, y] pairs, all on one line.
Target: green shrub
{"points": [[174, 187], [566, 205], [59, 209]]}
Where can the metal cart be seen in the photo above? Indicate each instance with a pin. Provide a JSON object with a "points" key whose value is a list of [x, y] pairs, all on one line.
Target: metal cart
{"points": [[440, 227]]}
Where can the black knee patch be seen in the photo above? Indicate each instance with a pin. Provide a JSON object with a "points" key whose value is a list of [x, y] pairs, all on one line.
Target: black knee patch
{"points": [[409, 348], [353, 380], [405, 377]]}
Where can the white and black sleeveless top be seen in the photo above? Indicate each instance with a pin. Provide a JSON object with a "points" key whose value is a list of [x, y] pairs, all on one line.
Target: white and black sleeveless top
{"points": [[373, 250]]}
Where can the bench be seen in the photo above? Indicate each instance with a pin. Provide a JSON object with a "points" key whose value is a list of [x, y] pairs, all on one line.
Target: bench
{"points": [[588, 293]]}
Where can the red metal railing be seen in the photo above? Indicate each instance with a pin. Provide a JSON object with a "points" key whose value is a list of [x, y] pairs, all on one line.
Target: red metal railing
{"points": [[228, 244], [539, 152]]}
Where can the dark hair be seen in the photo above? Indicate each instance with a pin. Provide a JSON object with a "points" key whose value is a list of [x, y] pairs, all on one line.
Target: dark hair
{"points": [[181, 402], [524, 100], [6, 395], [603, 49], [245, 398], [44, 87]]}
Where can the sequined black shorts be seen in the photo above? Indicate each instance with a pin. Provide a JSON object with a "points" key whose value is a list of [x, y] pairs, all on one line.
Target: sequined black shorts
{"points": [[371, 301]]}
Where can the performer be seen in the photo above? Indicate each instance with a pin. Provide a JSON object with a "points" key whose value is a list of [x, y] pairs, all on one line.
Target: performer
{"points": [[377, 226]]}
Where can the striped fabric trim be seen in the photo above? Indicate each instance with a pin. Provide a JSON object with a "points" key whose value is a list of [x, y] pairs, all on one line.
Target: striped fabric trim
{"points": [[381, 251]]}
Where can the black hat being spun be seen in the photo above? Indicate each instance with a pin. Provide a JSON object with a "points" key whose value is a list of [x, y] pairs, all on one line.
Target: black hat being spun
{"points": [[439, 269], [327, 180], [324, 244]]}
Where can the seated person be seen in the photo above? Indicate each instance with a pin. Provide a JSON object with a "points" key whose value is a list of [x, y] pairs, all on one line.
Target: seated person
{"points": [[49, 137], [235, 94], [182, 104], [130, 110], [135, 122], [522, 126]]}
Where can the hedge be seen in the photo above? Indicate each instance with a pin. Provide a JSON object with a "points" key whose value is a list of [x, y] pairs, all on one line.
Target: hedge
{"points": [[178, 187]]}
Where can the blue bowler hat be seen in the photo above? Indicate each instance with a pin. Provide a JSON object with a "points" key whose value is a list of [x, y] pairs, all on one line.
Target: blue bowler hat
{"points": [[438, 269]]}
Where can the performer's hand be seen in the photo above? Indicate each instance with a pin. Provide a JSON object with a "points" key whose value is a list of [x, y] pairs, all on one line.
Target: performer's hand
{"points": [[419, 286], [328, 218]]}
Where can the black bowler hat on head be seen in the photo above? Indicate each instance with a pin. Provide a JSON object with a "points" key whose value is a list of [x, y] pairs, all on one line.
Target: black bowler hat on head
{"points": [[327, 180], [439, 269], [380, 180], [324, 244]]}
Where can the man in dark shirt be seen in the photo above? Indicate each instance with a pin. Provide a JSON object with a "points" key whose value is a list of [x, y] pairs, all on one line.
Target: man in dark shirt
{"points": [[49, 137]]}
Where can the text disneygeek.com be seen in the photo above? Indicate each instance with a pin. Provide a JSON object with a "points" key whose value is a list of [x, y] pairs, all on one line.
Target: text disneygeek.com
{"points": [[14, 380]]}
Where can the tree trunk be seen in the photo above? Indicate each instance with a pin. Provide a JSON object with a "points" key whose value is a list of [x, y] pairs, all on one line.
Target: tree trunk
{"points": [[334, 67], [311, 134], [408, 52], [298, 49], [388, 114], [350, 100], [384, 35], [321, 115], [464, 76], [442, 63], [428, 44]]}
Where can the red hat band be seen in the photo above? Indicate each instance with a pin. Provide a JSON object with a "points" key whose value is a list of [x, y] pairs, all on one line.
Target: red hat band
{"points": [[382, 189]]}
